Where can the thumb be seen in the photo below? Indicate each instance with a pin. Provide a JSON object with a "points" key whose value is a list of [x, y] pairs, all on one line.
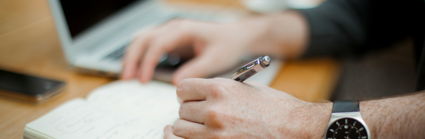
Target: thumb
{"points": [[196, 68], [210, 62]]}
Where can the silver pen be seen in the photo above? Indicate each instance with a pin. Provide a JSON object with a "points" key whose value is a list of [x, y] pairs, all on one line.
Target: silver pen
{"points": [[251, 68]]}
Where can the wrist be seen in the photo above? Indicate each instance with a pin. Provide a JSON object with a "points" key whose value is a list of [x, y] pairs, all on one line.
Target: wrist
{"points": [[367, 115], [282, 34], [258, 31], [319, 119]]}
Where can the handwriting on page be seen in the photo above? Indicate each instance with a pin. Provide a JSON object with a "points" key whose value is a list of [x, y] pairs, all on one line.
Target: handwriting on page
{"points": [[80, 119], [155, 100], [84, 119]]}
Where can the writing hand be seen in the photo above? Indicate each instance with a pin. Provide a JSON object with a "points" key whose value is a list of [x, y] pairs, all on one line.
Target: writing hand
{"points": [[223, 108]]}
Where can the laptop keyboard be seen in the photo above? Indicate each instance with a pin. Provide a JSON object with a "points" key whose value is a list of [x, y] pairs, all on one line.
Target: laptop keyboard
{"points": [[117, 54]]}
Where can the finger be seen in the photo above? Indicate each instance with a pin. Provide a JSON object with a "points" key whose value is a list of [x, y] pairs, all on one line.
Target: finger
{"points": [[189, 130], [168, 133], [192, 89], [137, 48], [166, 43], [133, 54], [199, 67], [193, 111]]}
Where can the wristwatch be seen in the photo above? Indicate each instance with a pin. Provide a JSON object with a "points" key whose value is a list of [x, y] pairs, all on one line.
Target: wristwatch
{"points": [[346, 122]]}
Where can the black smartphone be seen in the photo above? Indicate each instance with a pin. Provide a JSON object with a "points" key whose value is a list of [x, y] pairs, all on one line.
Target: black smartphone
{"points": [[32, 89]]}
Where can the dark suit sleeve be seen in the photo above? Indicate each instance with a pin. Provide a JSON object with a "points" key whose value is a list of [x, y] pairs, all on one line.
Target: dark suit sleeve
{"points": [[351, 27]]}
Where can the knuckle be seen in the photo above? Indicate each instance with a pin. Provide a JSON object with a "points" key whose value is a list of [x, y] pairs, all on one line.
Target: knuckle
{"points": [[217, 89], [182, 87], [178, 131], [214, 115]]}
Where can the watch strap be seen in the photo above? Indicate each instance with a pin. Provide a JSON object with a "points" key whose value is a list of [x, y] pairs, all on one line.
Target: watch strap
{"points": [[346, 106]]}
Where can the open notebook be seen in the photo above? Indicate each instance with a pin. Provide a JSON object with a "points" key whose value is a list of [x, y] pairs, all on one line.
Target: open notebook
{"points": [[119, 110]]}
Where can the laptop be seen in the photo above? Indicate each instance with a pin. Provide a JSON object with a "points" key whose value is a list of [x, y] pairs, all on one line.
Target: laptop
{"points": [[94, 33]]}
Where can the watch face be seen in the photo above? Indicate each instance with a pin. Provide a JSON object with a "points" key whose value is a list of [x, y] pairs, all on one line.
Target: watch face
{"points": [[346, 128]]}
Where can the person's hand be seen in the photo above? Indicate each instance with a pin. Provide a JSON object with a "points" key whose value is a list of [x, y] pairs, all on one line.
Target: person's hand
{"points": [[224, 108], [217, 47]]}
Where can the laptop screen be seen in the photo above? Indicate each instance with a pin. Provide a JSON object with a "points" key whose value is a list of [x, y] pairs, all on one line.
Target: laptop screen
{"points": [[83, 14]]}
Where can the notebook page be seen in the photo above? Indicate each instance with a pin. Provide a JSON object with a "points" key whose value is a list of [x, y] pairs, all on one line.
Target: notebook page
{"points": [[154, 100], [80, 119]]}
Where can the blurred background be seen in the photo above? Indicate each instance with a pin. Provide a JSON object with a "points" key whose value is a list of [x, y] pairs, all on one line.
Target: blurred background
{"points": [[30, 44]]}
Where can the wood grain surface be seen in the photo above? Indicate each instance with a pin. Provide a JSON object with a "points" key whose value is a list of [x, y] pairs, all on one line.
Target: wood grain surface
{"points": [[29, 44]]}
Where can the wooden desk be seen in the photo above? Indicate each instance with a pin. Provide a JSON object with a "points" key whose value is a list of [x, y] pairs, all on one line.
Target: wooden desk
{"points": [[29, 44]]}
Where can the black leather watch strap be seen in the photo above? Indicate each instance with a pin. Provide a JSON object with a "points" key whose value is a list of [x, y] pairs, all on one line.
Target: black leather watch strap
{"points": [[345, 106]]}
